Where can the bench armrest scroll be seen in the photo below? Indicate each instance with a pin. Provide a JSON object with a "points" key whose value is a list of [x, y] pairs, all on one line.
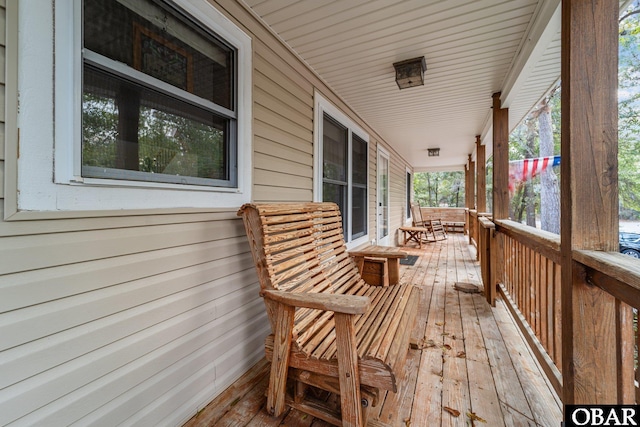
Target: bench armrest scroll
{"points": [[347, 304]]}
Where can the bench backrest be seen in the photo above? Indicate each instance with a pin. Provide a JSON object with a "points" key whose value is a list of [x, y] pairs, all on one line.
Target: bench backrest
{"points": [[444, 214], [299, 247]]}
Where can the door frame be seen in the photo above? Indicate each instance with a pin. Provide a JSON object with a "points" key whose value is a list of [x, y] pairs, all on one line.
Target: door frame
{"points": [[380, 214]]}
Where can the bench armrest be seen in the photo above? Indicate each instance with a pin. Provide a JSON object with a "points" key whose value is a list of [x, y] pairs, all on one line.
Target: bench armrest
{"points": [[338, 303], [392, 255]]}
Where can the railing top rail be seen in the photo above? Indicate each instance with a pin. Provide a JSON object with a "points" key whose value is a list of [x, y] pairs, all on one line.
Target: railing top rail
{"points": [[486, 222], [616, 273], [544, 237], [548, 244]]}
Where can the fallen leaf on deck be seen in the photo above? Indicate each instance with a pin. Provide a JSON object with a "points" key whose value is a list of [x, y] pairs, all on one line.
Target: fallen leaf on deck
{"points": [[446, 347], [445, 334], [440, 323], [474, 417], [422, 344], [452, 411], [407, 422], [461, 354]]}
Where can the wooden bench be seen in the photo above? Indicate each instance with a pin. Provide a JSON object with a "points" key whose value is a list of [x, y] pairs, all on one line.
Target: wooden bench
{"points": [[452, 218], [332, 332]]}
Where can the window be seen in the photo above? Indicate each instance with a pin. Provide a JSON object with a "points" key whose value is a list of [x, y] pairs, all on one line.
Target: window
{"points": [[342, 169], [158, 100], [150, 105]]}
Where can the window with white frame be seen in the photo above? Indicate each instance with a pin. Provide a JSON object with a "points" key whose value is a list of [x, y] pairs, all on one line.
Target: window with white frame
{"points": [[147, 95], [158, 96], [342, 168]]}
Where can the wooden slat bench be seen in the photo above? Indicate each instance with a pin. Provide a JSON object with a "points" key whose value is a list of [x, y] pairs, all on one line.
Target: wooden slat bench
{"points": [[331, 330], [452, 218]]}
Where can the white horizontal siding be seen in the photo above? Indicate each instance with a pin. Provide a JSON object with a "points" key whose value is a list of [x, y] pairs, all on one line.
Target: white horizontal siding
{"points": [[110, 321], [191, 340], [23, 253]]}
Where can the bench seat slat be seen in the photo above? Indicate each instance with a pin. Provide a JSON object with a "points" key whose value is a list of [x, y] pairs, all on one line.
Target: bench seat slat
{"points": [[326, 349], [380, 346], [324, 324]]}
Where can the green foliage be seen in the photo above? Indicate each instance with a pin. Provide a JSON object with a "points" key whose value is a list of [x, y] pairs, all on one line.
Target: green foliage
{"points": [[167, 143], [629, 113], [439, 188]]}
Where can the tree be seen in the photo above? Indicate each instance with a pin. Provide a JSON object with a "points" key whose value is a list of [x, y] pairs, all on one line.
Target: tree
{"points": [[439, 188], [550, 187], [629, 112]]}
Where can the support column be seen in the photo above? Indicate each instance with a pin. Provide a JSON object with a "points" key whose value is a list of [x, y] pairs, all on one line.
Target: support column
{"points": [[500, 159], [481, 191], [467, 193], [500, 189], [589, 199], [472, 194]]}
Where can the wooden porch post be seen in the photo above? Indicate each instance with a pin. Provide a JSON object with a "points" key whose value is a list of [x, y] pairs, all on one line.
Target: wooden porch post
{"points": [[481, 186], [472, 193], [589, 201], [500, 185], [467, 193], [500, 159]]}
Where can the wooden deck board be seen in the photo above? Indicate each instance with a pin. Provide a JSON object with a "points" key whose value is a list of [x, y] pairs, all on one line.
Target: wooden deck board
{"points": [[473, 360]]}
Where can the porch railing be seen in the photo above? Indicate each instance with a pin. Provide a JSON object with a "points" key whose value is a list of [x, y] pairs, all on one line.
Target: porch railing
{"points": [[474, 225], [531, 289], [526, 265]]}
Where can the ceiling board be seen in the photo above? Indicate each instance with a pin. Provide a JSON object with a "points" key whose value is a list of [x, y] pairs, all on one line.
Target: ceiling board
{"points": [[470, 47]]}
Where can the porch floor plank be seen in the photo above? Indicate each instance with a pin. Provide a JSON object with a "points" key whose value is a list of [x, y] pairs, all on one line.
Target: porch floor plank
{"points": [[473, 359]]}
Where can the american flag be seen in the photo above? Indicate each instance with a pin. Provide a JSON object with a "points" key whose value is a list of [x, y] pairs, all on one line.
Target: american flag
{"points": [[525, 169]]}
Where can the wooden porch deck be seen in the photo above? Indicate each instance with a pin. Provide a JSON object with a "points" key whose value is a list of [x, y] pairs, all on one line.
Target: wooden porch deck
{"points": [[475, 367]]}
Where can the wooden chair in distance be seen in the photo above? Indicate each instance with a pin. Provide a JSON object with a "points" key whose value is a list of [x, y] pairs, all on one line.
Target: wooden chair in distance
{"points": [[331, 332], [433, 225]]}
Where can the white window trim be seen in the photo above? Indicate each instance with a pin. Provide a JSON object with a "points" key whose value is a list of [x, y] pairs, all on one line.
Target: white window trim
{"points": [[408, 220], [48, 120], [322, 106], [382, 152]]}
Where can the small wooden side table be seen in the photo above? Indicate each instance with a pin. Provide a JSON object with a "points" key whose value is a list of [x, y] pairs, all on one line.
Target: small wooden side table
{"points": [[378, 265], [415, 235]]}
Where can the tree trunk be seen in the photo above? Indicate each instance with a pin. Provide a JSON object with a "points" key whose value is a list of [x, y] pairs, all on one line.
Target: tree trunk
{"points": [[550, 188]]}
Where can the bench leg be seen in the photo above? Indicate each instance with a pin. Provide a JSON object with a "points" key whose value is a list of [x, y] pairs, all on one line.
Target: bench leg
{"points": [[280, 363], [394, 270], [351, 408]]}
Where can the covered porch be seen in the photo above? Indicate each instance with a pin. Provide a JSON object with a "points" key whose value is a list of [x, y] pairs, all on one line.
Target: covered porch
{"points": [[472, 360]]}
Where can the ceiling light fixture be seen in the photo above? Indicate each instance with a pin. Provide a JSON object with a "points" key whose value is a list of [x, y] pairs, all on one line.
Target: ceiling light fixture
{"points": [[433, 152], [410, 72]]}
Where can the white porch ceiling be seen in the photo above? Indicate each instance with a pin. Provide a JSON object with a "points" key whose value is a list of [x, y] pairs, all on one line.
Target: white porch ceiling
{"points": [[472, 49]]}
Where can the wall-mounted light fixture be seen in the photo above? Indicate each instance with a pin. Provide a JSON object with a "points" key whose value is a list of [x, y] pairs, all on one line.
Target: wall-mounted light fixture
{"points": [[433, 152], [410, 72]]}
